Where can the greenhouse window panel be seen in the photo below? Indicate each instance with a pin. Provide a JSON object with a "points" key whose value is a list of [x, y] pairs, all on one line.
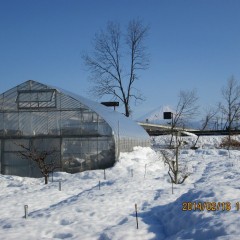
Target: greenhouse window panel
{"points": [[36, 98]]}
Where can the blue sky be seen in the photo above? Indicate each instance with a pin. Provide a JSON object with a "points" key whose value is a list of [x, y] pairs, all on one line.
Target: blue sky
{"points": [[192, 44]]}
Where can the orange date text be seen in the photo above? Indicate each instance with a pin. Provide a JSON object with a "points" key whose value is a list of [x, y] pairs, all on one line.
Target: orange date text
{"points": [[206, 206]]}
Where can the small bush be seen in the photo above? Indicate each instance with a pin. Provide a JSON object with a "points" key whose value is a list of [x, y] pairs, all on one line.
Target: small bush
{"points": [[230, 143]]}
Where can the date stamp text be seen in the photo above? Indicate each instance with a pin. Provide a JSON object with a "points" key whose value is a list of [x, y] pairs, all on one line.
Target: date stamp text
{"points": [[210, 206]]}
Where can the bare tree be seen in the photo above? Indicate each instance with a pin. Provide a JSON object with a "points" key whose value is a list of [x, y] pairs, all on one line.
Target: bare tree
{"points": [[40, 158], [186, 109], [210, 113], [116, 61], [230, 106]]}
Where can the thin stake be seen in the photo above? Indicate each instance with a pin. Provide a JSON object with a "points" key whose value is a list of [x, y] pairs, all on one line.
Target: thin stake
{"points": [[25, 211], [104, 174], [136, 214], [145, 170], [132, 172], [59, 186]]}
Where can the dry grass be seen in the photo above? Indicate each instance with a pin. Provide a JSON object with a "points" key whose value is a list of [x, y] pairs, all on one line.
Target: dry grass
{"points": [[230, 143]]}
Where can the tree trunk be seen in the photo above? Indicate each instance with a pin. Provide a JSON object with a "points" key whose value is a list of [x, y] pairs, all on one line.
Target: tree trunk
{"points": [[176, 175], [46, 179], [194, 145], [127, 113], [171, 140], [229, 135]]}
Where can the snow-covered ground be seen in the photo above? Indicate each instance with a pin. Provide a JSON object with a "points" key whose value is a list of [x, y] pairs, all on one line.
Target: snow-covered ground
{"points": [[83, 211]]}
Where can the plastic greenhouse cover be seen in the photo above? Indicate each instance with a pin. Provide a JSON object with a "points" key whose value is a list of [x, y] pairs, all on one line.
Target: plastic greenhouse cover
{"points": [[125, 127], [120, 124]]}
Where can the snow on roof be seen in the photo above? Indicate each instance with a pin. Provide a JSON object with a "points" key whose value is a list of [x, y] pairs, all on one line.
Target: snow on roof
{"points": [[119, 123]]}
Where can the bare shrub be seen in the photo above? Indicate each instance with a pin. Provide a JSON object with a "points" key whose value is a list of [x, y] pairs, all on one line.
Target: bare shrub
{"points": [[177, 172], [40, 158]]}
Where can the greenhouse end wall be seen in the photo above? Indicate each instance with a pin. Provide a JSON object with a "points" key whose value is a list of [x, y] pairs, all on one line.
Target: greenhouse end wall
{"points": [[41, 117]]}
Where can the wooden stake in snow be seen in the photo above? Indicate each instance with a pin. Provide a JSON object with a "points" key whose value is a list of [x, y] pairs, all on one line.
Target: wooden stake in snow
{"points": [[104, 174], [136, 214], [59, 186], [25, 211]]}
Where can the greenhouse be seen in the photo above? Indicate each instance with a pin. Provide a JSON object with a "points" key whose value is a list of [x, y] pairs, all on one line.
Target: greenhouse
{"points": [[83, 134]]}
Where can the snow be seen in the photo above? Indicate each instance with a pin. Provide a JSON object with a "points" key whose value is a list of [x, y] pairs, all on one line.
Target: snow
{"points": [[83, 211], [156, 117]]}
